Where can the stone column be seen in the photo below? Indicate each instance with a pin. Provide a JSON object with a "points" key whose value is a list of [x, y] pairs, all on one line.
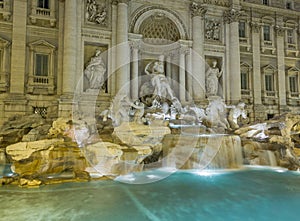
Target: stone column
{"points": [[256, 80], [169, 67], [281, 68], [113, 52], [18, 48], [123, 50], [182, 82], [70, 47], [198, 61], [256, 75], [189, 79], [231, 17], [135, 70]]}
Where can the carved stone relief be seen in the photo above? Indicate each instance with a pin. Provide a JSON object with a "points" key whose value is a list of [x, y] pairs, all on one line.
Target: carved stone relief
{"points": [[212, 29], [96, 12]]}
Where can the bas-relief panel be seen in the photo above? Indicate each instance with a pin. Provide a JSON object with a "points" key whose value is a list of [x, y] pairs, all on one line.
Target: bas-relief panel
{"points": [[96, 13]]}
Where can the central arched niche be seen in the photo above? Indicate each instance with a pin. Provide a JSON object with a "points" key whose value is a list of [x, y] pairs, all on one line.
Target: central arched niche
{"points": [[159, 28], [155, 22]]}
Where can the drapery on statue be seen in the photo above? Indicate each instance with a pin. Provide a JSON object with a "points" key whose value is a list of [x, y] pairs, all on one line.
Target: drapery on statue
{"points": [[159, 81], [212, 79], [95, 71]]}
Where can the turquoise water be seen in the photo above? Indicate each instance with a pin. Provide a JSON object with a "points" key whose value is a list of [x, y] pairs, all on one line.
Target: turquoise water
{"points": [[250, 194]]}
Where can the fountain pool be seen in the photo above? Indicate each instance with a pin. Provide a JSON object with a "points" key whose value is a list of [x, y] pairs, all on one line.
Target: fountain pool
{"points": [[248, 194]]}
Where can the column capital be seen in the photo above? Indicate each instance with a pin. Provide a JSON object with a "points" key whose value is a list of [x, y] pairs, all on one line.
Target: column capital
{"points": [[121, 1], [231, 15], [135, 44], [256, 27], [279, 30], [197, 10]]}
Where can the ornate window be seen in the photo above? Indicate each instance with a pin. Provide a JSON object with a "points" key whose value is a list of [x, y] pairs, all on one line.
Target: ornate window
{"points": [[242, 29], [43, 10], [5, 8], [4, 76], [267, 34], [41, 74], [289, 4], [41, 65], [291, 43], [269, 85], [292, 84], [43, 4], [265, 2], [246, 83]]}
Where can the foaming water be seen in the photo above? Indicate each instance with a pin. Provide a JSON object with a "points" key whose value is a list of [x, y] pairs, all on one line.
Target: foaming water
{"points": [[253, 193]]}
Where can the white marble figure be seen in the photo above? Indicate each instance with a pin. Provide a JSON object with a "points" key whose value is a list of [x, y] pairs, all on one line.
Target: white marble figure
{"points": [[94, 13], [217, 113], [95, 71], [159, 81], [235, 113], [121, 107], [212, 79], [91, 10]]}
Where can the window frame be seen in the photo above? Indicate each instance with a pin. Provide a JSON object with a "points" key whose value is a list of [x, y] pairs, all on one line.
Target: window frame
{"points": [[43, 55]]}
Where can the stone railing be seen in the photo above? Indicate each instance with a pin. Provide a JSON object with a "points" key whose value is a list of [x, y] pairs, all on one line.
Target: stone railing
{"points": [[43, 12], [40, 84], [270, 97], [40, 80]]}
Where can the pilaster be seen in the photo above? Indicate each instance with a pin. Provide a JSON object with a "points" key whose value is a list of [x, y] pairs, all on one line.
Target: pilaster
{"points": [[123, 50], [198, 62], [280, 62], [231, 19]]}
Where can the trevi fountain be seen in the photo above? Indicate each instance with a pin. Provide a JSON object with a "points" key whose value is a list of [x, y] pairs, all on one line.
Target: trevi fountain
{"points": [[193, 161]]}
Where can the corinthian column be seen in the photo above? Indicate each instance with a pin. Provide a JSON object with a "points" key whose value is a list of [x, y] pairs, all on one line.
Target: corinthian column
{"points": [[123, 50], [231, 19], [198, 62], [70, 46], [135, 69]]}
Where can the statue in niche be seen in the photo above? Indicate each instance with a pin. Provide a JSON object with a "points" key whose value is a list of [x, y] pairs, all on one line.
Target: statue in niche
{"points": [[162, 89], [95, 71], [212, 79], [95, 13]]}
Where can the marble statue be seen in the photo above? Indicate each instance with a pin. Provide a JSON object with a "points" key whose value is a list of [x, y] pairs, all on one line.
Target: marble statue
{"points": [[95, 71], [212, 79], [94, 13], [217, 113], [162, 89], [235, 113], [121, 107]]}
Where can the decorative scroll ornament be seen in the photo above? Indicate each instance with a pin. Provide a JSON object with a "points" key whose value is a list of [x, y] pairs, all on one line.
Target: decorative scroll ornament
{"points": [[96, 13], [232, 15], [279, 31], [256, 27], [197, 10]]}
